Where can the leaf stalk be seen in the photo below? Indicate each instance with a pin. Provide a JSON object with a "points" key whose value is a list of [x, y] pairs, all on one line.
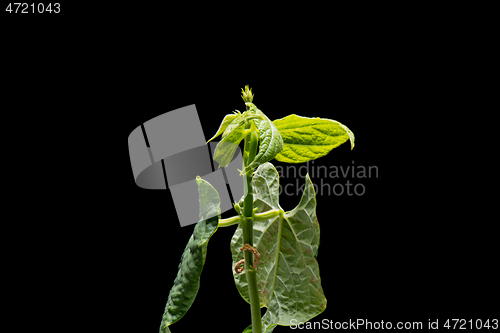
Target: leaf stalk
{"points": [[256, 217], [230, 221]]}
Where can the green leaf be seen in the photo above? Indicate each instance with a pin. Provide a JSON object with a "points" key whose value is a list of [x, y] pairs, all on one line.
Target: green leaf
{"points": [[233, 134], [270, 140], [265, 329], [288, 273], [187, 282], [225, 122], [306, 139]]}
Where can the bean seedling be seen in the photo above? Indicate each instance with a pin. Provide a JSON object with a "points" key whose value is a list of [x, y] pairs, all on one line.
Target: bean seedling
{"points": [[273, 251]]}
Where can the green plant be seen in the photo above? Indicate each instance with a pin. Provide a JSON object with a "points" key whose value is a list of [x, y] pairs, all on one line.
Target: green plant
{"points": [[277, 248]]}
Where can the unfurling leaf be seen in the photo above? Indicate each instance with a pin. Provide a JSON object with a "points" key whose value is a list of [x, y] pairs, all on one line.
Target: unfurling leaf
{"points": [[288, 273], [187, 282], [233, 133], [307, 139], [247, 94], [225, 122], [270, 141]]}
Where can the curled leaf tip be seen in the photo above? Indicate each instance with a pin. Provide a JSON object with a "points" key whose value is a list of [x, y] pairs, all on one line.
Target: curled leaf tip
{"points": [[238, 267], [249, 248]]}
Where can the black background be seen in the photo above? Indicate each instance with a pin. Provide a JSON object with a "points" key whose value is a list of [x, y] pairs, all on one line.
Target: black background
{"points": [[77, 84]]}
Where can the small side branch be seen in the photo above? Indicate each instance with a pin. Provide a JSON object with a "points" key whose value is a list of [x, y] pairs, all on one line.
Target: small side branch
{"points": [[256, 217], [266, 215], [230, 221]]}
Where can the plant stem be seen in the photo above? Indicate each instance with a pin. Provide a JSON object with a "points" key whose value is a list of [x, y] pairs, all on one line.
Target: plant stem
{"points": [[251, 142]]}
